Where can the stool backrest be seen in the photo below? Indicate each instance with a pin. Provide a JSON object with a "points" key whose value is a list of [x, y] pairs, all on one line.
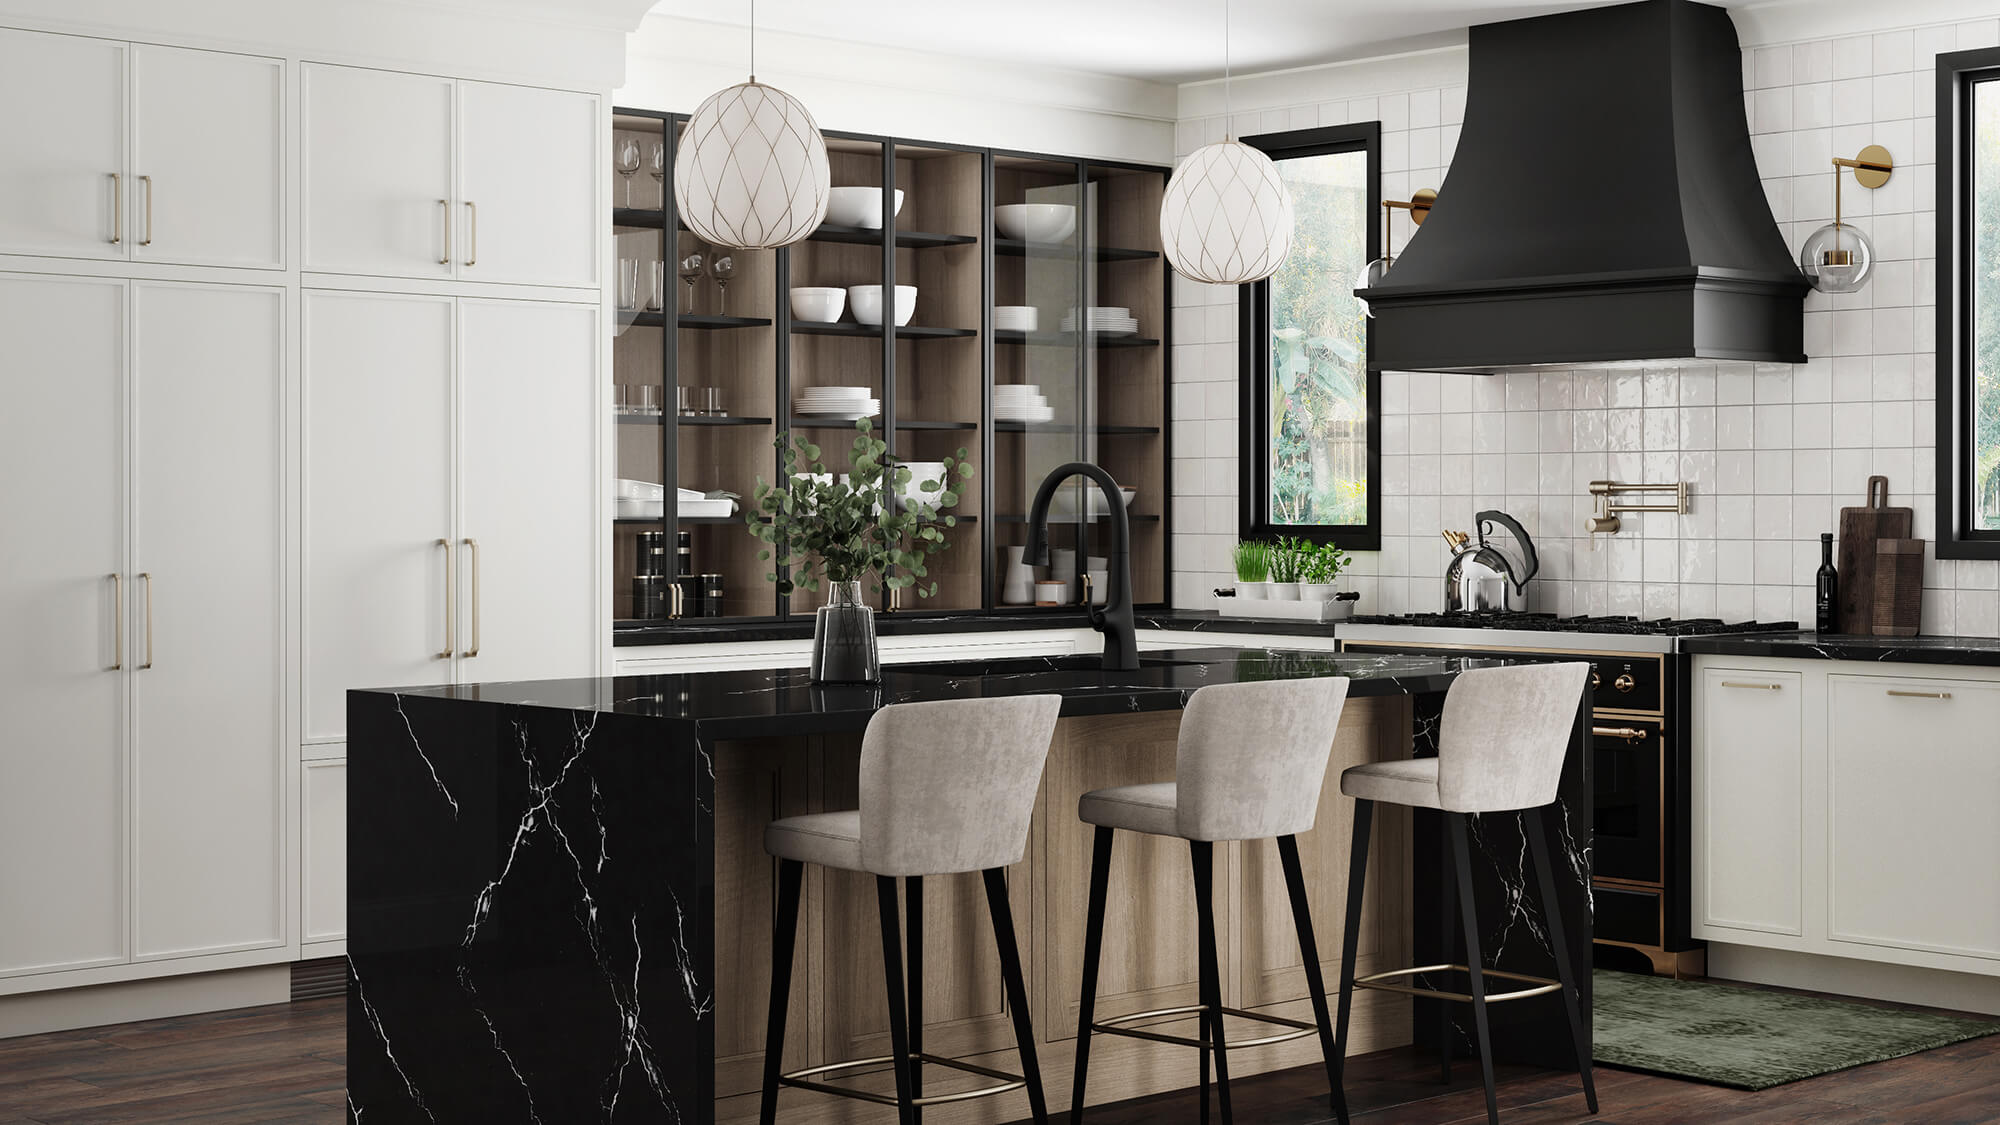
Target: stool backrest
{"points": [[1505, 734], [950, 786], [1252, 757]]}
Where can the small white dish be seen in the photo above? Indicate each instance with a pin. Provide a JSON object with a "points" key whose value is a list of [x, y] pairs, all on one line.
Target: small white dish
{"points": [[866, 300], [822, 303], [857, 206]]}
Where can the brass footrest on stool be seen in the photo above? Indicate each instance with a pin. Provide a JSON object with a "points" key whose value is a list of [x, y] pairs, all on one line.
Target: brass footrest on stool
{"points": [[1116, 1026], [1378, 981], [802, 1079]]}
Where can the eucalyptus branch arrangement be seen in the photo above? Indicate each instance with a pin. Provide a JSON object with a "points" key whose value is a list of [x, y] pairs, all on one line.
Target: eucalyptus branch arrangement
{"points": [[816, 526]]}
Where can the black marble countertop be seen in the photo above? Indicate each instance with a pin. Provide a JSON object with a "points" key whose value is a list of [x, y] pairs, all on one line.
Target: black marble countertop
{"points": [[1975, 651], [686, 632], [785, 701]]}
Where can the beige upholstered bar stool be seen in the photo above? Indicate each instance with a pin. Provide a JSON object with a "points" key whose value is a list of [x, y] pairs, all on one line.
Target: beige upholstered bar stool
{"points": [[1500, 749], [1249, 764], [946, 788]]}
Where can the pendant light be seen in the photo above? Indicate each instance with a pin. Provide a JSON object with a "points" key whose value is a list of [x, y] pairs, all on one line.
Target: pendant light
{"points": [[751, 172], [1226, 217]]}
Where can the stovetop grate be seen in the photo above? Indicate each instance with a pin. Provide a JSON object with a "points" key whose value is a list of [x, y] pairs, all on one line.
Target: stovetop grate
{"points": [[1552, 623]]}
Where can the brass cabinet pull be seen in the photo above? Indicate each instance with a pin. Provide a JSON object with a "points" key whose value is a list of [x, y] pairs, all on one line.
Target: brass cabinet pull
{"points": [[472, 233], [444, 208], [117, 208], [148, 182], [1629, 734], [450, 623], [118, 630], [472, 547], [1920, 694], [148, 580], [674, 600], [1753, 687]]}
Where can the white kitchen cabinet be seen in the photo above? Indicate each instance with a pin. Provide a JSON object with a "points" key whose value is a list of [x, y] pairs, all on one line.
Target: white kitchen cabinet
{"points": [[408, 175], [450, 476], [1913, 782], [63, 171], [323, 882], [63, 666], [207, 618], [1748, 772], [208, 153]]}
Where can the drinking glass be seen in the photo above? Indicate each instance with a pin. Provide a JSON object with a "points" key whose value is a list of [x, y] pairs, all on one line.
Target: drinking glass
{"points": [[684, 400], [645, 399], [659, 168], [721, 267], [656, 296], [690, 271], [628, 164], [710, 399], [628, 284]]}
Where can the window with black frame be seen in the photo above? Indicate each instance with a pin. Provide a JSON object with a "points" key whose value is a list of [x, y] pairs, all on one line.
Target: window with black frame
{"points": [[1311, 422], [1968, 392]]}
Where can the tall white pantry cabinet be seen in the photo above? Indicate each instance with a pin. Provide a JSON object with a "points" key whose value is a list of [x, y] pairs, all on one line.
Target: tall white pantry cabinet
{"points": [[300, 363]]}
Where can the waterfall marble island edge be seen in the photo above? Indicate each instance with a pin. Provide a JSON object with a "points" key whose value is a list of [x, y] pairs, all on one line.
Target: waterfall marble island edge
{"points": [[560, 907]]}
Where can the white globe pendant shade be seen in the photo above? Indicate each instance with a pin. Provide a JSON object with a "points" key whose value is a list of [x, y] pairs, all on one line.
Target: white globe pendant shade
{"points": [[751, 171], [1226, 218]]}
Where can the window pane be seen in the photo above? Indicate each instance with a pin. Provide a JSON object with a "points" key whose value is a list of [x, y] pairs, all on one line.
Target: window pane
{"points": [[1319, 355], [1984, 276]]}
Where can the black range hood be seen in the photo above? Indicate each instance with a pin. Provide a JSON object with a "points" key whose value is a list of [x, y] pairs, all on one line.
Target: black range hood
{"points": [[1603, 206]]}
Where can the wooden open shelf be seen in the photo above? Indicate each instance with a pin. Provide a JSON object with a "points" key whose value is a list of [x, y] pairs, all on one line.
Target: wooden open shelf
{"points": [[905, 332], [1070, 339], [695, 320], [1018, 247]]}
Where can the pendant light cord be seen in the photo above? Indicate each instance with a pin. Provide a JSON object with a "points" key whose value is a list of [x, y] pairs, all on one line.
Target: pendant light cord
{"points": [[1228, 122], [753, 42]]}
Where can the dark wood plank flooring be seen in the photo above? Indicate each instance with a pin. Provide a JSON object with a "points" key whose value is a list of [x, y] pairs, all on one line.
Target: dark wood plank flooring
{"points": [[286, 1065]]}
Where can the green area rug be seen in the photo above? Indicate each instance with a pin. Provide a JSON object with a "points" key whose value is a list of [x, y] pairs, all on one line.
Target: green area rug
{"points": [[1749, 1038]]}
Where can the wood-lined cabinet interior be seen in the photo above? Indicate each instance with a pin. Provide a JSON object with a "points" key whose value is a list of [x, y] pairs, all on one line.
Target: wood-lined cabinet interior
{"points": [[709, 366]]}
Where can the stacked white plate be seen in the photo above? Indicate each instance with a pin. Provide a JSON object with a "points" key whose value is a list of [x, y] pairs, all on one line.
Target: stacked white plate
{"points": [[1016, 318], [847, 403], [1021, 402], [1111, 319]]}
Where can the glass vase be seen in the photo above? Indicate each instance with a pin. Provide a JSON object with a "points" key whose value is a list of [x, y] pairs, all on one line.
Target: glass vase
{"points": [[844, 650]]}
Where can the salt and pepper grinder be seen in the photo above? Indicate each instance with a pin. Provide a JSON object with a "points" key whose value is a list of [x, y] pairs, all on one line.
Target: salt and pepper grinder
{"points": [[1827, 594]]}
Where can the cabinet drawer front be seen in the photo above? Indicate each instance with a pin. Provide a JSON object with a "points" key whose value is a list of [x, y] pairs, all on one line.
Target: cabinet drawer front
{"points": [[1618, 914], [1748, 776], [1913, 779]]}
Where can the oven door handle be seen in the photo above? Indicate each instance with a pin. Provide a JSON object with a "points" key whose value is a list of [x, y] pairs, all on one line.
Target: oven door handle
{"points": [[1629, 734]]}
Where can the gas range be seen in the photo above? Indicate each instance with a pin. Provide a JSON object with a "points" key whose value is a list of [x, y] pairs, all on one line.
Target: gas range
{"points": [[1534, 630]]}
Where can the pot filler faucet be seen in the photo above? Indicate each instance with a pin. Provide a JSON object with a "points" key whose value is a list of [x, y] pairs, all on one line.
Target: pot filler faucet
{"points": [[1114, 620]]}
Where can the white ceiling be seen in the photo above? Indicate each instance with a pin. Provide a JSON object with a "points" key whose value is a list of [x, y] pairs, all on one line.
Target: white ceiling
{"points": [[1157, 40]]}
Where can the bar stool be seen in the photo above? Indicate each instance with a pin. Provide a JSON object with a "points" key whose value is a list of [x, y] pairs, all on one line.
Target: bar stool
{"points": [[946, 788], [1500, 749], [1249, 764]]}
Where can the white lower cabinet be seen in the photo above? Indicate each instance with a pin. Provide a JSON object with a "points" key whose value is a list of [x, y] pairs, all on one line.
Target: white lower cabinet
{"points": [[323, 837], [1847, 810]]}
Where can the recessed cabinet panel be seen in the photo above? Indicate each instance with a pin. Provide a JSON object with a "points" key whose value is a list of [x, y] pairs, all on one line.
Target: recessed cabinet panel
{"points": [[528, 197], [207, 158], [63, 140], [207, 614], [1748, 772], [323, 887], [1897, 745], [62, 695], [378, 424], [378, 172]]}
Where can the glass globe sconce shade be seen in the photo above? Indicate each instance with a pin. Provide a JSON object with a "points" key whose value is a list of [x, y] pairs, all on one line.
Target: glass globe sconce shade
{"points": [[1371, 275], [1837, 258]]}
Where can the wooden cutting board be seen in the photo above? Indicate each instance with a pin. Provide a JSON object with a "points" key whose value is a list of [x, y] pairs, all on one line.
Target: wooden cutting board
{"points": [[1899, 587], [1859, 530]]}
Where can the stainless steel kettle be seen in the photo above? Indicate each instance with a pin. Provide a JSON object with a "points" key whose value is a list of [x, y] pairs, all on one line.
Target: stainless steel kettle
{"points": [[1489, 577]]}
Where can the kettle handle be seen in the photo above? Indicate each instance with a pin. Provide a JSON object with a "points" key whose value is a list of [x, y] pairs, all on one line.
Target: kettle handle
{"points": [[1520, 536]]}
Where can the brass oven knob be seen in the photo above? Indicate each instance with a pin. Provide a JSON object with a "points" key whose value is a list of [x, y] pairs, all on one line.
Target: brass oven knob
{"points": [[1596, 681], [1625, 683]]}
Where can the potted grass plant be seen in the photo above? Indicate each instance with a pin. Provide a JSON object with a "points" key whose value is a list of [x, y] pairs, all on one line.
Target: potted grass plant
{"points": [[1253, 568], [1285, 562]]}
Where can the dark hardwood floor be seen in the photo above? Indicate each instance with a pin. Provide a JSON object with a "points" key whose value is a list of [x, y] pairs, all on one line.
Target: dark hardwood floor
{"points": [[287, 1066]]}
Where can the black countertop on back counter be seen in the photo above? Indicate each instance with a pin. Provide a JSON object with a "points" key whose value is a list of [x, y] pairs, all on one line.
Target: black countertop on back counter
{"points": [[1973, 651], [918, 624]]}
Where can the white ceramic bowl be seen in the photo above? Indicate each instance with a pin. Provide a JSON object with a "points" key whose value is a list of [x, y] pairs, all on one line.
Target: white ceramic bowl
{"points": [[857, 206], [866, 300], [1020, 318], [921, 471], [1035, 222], [818, 303]]}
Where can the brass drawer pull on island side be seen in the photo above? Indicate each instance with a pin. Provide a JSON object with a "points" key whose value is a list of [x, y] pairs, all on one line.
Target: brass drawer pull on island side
{"points": [[1629, 734], [1753, 687], [1920, 694]]}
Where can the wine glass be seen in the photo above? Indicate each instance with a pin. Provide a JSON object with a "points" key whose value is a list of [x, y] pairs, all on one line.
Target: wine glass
{"points": [[658, 166], [628, 164], [722, 267], [690, 271]]}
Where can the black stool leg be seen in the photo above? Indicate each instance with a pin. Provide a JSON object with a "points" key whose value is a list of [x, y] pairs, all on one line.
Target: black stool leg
{"points": [[913, 925], [784, 936], [1535, 826], [899, 1012], [1447, 919], [1295, 882], [1093, 944], [1462, 855], [1350, 937], [1203, 854], [1002, 913]]}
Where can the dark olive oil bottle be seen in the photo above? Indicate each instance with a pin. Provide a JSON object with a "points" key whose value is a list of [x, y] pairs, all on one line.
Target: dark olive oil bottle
{"points": [[1828, 593]]}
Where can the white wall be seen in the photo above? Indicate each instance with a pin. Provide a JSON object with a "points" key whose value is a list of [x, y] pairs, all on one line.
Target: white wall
{"points": [[1771, 451]]}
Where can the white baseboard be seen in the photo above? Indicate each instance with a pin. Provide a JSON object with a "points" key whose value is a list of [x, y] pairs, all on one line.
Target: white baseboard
{"points": [[1904, 984], [61, 1010]]}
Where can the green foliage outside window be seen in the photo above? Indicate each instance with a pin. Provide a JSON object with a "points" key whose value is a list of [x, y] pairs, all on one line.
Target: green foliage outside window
{"points": [[1983, 272]]}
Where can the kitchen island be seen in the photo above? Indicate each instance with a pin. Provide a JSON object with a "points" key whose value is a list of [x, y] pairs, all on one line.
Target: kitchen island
{"points": [[560, 909]]}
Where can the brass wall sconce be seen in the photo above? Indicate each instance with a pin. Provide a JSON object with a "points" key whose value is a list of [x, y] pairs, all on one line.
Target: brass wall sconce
{"points": [[1419, 206], [1606, 521], [1839, 257]]}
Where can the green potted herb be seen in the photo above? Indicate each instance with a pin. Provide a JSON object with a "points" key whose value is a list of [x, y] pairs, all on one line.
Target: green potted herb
{"points": [[1285, 562], [821, 528], [1253, 568], [1320, 567]]}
